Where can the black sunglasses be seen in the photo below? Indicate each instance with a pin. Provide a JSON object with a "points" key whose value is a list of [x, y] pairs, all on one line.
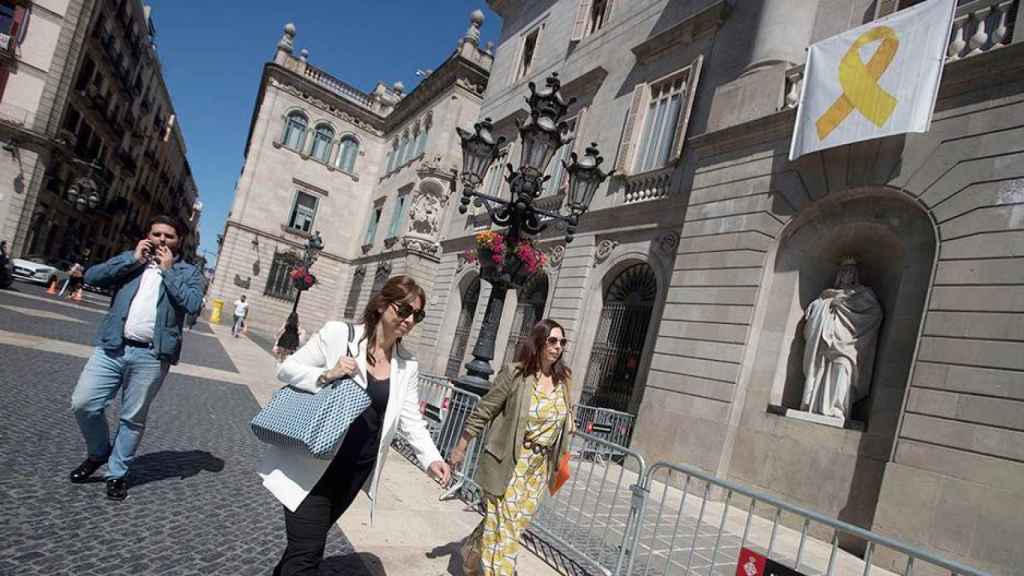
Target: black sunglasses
{"points": [[404, 310], [552, 341]]}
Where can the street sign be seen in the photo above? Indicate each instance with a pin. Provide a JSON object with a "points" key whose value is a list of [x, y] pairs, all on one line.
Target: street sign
{"points": [[753, 564]]}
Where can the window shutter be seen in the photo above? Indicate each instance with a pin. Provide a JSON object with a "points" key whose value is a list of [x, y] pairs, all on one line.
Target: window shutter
{"points": [[578, 146], [886, 7], [626, 145], [580, 27], [692, 82]]}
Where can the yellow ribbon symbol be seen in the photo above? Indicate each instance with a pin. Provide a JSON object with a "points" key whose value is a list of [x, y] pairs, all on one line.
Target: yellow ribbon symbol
{"points": [[860, 83]]}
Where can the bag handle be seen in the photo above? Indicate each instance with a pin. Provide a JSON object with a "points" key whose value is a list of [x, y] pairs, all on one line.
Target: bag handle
{"points": [[351, 336]]}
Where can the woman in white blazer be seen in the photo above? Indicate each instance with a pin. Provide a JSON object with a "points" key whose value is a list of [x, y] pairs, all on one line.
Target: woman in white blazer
{"points": [[315, 492]]}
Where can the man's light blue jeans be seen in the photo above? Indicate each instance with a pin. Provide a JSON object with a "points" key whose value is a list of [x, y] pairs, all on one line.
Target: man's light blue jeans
{"points": [[138, 374]]}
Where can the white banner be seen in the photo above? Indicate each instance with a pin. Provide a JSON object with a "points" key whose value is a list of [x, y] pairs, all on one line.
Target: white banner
{"points": [[875, 80]]}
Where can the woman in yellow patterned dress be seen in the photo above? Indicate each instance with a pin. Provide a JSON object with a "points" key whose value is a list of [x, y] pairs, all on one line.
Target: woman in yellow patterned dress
{"points": [[528, 408]]}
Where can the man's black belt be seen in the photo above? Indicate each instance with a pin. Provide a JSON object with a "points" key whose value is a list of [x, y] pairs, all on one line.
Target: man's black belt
{"points": [[137, 343]]}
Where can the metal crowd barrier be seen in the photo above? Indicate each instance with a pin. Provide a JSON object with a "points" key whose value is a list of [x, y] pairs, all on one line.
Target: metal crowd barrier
{"points": [[617, 517], [612, 426], [694, 523], [593, 516], [445, 409]]}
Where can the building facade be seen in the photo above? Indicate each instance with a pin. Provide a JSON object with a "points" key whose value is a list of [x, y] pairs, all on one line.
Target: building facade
{"points": [[92, 145], [370, 171], [683, 292]]}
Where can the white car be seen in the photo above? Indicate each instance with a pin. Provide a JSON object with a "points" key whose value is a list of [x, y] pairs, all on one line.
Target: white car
{"points": [[39, 270]]}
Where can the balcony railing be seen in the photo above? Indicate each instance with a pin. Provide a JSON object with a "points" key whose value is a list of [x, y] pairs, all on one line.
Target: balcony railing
{"points": [[336, 86], [652, 185], [978, 27]]}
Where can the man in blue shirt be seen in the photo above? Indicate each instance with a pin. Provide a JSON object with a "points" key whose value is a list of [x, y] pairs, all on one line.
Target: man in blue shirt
{"points": [[138, 340]]}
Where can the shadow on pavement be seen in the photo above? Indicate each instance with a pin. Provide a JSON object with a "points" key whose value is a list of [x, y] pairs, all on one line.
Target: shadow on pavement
{"points": [[351, 564], [156, 466], [451, 550]]}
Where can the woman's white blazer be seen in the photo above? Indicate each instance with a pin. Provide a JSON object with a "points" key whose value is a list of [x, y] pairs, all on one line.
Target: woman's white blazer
{"points": [[290, 474]]}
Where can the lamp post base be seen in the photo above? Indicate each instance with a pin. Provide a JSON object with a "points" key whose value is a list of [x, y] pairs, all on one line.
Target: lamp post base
{"points": [[475, 384]]}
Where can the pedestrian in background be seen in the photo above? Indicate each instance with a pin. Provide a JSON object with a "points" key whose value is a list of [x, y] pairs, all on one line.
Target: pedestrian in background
{"points": [[315, 493], [75, 281], [528, 409], [284, 348], [138, 340], [241, 311]]}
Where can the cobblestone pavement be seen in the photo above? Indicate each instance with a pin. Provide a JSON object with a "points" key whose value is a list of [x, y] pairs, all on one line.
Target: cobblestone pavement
{"points": [[195, 504]]}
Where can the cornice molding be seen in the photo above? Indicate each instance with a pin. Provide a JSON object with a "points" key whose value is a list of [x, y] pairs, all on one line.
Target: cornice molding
{"points": [[707, 21], [281, 238]]}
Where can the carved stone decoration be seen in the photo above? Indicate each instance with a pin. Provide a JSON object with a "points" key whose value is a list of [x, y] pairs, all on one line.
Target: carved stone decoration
{"points": [[604, 250], [555, 255], [243, 283], [360, 270], [287, 41], [425, 213], [461, 262], [383, 270], [424, 245], [469, 85], [667, 243]]}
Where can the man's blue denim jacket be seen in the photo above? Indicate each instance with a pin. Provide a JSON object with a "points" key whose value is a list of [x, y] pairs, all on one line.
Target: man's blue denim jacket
{"points": [[181, 293]]}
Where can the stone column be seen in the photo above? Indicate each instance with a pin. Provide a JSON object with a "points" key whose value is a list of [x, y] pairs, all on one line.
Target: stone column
{"points": [[782, 31]]}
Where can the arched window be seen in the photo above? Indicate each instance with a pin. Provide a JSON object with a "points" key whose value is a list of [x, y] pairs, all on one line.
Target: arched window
{"points": [[403, 151], [421, 141], [393, 157], [295, 131], [619, 343], [470, 296], [322, 142], [532, 299], [347, 151]]}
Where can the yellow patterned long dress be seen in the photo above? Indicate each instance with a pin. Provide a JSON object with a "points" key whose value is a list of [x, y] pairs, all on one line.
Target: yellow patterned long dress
{"points": [[507, 516]]}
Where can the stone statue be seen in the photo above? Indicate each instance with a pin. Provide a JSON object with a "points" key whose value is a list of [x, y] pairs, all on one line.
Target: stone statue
{"points": [[840, 333]]}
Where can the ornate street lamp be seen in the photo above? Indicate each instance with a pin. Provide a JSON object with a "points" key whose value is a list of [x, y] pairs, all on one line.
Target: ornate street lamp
{"points": [[541, 134], [83, 194], [302, 279]]}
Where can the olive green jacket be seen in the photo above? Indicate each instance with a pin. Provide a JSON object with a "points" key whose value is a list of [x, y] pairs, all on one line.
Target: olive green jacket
{"points": [[506, 408]]}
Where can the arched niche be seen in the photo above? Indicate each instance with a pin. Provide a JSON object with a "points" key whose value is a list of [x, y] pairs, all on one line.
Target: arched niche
{"points": [[893, 240], [531, 301], [465, 303]]}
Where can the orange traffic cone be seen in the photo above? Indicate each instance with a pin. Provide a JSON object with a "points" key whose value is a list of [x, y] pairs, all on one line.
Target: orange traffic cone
{"points": [[77, 295], [52, 288]]}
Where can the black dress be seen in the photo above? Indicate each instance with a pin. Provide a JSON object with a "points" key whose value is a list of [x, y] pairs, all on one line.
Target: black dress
{"points": [[353, 464]]}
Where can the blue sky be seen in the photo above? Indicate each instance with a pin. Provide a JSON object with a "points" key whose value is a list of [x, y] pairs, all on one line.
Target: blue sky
{"points": [[213, 52]]}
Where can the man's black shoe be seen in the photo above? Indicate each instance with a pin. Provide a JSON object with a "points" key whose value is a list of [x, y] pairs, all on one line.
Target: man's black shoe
{"points": [[117, 489], [86, 469]]}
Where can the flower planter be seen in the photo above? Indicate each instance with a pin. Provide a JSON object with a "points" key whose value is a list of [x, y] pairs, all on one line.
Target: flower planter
{"points": [[504, 265]]}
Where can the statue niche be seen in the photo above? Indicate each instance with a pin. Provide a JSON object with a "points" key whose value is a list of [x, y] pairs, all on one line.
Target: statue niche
{"points": [[840, 330]]}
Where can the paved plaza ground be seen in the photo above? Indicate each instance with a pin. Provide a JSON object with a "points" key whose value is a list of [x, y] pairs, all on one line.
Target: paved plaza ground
{"points": [[195, 504]]}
